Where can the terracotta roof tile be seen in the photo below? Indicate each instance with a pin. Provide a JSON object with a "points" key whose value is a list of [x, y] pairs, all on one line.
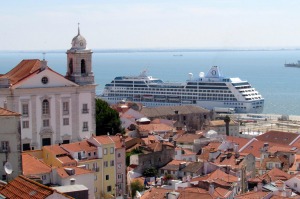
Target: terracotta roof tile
{"points": [[174, 165], [78, 171], [280, 137], [55, 149], [79, 146], [22, 70], [24, 188], [104, 139], [33, 166], [188, 138], [238, 140], [253, 195], [117, 140], [67, 160], [6, 112], [154, 127], [158, 193], [215, 175], [272, 176]]}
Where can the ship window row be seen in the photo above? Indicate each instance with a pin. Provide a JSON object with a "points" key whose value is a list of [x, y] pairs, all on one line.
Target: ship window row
{"points": [[241, 84], [233, 103]]}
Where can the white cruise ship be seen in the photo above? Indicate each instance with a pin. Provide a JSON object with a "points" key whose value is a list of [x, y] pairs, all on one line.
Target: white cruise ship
{"points": [[210, 91]]}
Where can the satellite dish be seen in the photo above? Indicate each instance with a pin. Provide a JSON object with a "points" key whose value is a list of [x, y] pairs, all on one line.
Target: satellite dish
{"points": [[8, 168]]}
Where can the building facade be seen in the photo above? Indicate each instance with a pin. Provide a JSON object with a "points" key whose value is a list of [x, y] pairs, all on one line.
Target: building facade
{"points": [[55, 109], [10, 140]]}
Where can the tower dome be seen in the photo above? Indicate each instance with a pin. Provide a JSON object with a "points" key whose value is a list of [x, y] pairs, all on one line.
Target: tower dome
{"points": [[78, 42]]}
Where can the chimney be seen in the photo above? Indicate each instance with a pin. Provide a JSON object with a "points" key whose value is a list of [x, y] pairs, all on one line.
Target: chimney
{"points": [[259, 186], [236, 148], [72, 181], [175, 143], [211, 189]]}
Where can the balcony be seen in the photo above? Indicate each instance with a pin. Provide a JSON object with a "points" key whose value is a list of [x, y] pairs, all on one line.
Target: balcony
{"points": [[96, 169], [85, 129], [66, 112]]}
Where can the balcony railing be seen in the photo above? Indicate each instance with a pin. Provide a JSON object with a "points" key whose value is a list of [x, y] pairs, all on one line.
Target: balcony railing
{"points": [[85, 111]]}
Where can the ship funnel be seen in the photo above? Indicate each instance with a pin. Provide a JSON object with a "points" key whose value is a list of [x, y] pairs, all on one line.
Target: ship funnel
{"points": [[201, 74], [191, 76]]}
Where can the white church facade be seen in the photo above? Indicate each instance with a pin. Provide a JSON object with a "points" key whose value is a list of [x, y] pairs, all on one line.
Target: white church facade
{"points": [[55, 109]]}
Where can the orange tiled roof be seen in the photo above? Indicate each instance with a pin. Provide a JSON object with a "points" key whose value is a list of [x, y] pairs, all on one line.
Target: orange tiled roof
{"points": [[173, 165], [280, 137], [154, 192], [6, 112], [24, 188], [272, 176], [22, 70], [188, 138], [118, 141], [253, 195], [230, 159], [154, 127], [104, 139], [238, 140], [78, 171], [215, 175], [67, 160], [79, 146], [55, 149], [33, 166]]}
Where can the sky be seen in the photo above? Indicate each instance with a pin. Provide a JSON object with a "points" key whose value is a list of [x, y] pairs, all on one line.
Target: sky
{"points": [[144, 24]]}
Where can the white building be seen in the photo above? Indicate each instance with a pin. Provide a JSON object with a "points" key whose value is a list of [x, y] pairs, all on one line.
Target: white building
{"points": [[55, 108]]}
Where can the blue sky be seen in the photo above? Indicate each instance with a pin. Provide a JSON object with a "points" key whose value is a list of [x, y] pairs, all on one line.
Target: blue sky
{"points": [[119, 24]]}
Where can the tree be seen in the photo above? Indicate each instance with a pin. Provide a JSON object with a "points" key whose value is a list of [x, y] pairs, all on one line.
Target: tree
{"points": [[107, 119], [136, 186], [150, 172]]}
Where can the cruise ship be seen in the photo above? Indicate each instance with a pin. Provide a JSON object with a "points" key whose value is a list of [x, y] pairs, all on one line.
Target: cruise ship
{"points": [[210, 91]]}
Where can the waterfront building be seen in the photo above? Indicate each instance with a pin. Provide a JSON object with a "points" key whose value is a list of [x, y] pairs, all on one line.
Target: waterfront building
{"points": [[55, 108]]}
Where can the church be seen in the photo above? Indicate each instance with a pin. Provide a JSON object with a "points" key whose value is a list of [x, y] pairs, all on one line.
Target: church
{"points": [[55, 109]]}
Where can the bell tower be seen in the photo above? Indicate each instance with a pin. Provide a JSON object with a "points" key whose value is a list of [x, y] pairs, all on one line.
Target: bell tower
{"points": [[79, 61]]}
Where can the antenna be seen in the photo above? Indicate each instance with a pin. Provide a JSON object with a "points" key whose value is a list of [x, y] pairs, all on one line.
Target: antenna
{"points": [[78, 29], [44, 54], [8, 168]]}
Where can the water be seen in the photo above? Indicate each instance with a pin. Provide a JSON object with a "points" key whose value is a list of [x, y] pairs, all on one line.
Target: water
{"points": [[263, 69]]}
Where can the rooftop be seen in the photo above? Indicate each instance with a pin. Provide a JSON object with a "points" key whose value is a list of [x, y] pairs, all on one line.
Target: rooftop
{"points": [[33, 166]]}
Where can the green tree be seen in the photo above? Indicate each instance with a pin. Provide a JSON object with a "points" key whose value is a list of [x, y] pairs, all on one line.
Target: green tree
{"points": [[107, 119], [150, 172], [136, 186]]}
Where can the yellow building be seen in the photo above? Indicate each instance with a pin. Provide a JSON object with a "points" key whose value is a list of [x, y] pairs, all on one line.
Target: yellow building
{"points": [[106, 152]]}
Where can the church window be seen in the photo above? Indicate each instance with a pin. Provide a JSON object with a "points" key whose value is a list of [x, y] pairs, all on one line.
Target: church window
{"points": [[71, 66], [25, 109], [44, 80], [66, 121], [45, 106], [83, 71], [25, 124], [65, 108], [45, 123], [85, 126]]}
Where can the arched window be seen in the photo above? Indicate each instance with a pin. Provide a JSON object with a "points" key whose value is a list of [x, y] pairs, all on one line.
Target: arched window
{"points": [[45, 107], [83, 66], [71, 66]]}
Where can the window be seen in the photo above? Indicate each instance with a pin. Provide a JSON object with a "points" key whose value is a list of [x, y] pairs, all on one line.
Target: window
{"points": [[66, 141], [71, 66], [44, 80], [65, 121], [105, 163], [44, 177], [85, 126], [85, 108], [83, 71], [119, 155], [107, 177], [112, 150], [65, 108], [25, 124], [295, 185], [45, 107], [45, 123], [105, 151], [119, 176], [108, 188], [26, 147], [5, 145], [112, 163], [25, 110]]}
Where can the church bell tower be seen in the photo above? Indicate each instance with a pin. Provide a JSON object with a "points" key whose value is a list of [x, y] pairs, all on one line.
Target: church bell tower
{"points": [[79, 63]]}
